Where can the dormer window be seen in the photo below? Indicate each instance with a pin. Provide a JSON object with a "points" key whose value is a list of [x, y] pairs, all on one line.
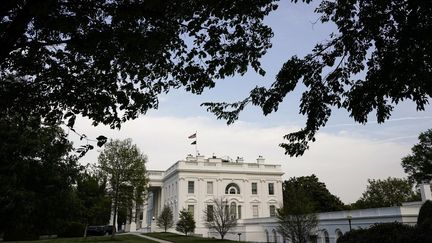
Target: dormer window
{"points": [[232, 188]]}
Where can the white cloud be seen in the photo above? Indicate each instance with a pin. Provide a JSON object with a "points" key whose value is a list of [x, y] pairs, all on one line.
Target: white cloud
{"points": [[344, 161]]}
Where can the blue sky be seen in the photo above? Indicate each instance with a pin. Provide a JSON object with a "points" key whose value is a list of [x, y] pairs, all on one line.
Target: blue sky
{"points": [[344, 157]]}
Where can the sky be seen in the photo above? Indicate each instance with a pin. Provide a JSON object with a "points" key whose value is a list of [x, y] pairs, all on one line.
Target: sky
{"points": [[344, 156]]}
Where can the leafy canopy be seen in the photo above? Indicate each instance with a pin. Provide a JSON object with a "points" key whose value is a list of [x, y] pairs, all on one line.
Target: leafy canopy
{"points": [[418, 165], [386, 193], [380, 55], [95, 202], [424, 219], [296, 218], [36, 178], [123, 166], [108, 60], [318, 194]]}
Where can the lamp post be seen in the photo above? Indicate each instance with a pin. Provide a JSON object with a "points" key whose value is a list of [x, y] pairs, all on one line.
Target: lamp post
{"points": [[150, 225], [349, 217]]}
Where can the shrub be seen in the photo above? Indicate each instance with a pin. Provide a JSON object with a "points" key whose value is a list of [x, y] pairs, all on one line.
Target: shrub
{"points": [[424, 220], [73, 229], [186, 223], [381, 233]]}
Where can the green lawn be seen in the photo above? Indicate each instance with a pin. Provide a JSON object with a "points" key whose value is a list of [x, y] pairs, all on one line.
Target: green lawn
{"points": [[182, 238], [95, 239]]}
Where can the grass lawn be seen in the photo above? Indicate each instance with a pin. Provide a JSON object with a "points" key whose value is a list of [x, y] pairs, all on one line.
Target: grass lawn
{"points": [[95, 239], [182, 238]]}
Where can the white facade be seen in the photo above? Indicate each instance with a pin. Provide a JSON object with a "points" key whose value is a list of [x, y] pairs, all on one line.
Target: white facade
{"points": [[254, 189], [194, 182]]}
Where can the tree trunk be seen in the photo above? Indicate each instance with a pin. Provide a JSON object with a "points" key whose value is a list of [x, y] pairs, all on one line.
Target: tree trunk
{"points": [[85, 231], [115, 208]]}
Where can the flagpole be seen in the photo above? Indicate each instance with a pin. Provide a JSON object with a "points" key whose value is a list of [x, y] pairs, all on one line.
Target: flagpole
{"points": [[196, 143]]}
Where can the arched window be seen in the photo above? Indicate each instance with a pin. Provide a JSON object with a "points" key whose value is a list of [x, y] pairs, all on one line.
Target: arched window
{"points": [[274, 235], [233, 208], [326, 237], [338, 233], [267, 236], [232, 188]]}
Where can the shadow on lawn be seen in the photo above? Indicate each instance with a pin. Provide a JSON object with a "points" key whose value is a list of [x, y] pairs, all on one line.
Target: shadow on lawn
{"points": [[176, 238]]}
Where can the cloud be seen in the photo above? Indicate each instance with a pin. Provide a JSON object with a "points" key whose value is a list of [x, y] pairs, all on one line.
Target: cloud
{"points": [[344, 161], [409, 118]]}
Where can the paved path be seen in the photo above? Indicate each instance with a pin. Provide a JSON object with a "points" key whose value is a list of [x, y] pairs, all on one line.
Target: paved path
{"points": [[150, 238]]}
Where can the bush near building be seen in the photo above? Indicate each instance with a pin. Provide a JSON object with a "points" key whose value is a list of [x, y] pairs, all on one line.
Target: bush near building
{"points": [[395, 232]]}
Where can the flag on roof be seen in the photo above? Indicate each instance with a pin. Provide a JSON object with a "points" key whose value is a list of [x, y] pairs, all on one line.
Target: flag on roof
{"points": [[192, 136]]}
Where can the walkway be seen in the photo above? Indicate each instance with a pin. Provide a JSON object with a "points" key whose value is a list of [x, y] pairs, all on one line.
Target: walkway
{"points": [[150, 238]]}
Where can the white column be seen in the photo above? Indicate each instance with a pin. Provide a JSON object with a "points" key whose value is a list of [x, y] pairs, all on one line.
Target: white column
{"points": [[425, 191], [111, 222]]}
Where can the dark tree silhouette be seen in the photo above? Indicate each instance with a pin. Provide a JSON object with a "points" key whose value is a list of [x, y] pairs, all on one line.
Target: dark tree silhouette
{"points": [[418, 165], [380, 55]]}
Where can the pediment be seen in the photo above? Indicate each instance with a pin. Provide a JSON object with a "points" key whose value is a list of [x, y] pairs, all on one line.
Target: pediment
{"points": [[271, 201], [255, 201], [191, 200]]}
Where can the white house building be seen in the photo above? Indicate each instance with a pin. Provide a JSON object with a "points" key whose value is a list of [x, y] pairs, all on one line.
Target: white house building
{"points": [[253, 191]]}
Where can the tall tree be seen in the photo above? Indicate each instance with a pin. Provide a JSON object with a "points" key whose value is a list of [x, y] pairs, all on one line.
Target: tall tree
{"points": [[165, 219], [418, 165], [109, 60], [219, 216], [36, 178], [296, 218], [122, 163], [318, 194], [96, 204], [186, 222], [379, 56], [387, 193]]}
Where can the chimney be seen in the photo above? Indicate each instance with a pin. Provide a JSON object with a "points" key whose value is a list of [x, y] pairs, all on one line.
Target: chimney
{"points": [[200, 158], [425, 191], [260, 160], [189, 157]]}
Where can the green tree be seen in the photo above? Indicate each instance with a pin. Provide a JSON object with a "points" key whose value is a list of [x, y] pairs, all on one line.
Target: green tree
{"points": [[96, 204], [166, 218], [297, 218], [36, 178], [424, 220], [186, 222], [379, 56], [395, 232], [318, 194], [386, 193], [60, 58], [220, 217], [418, 165], [123, 165]]}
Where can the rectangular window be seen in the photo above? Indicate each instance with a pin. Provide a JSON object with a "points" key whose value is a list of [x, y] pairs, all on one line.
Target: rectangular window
{"points": [[272, 210], [254, 188], [191, 209], [271, 188], [239, 212], [255, 211], [209, 187], [209, 213], [191, 186]]}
